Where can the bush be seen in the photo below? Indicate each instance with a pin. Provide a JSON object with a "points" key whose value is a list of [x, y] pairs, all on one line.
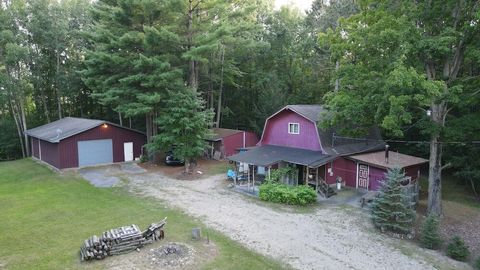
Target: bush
{"points": [[457, 249], [280, 193], [477, 263], [430, 237]]}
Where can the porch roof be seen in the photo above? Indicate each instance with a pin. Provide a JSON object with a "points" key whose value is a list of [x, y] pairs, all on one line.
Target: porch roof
{"points": [[266, 155]]}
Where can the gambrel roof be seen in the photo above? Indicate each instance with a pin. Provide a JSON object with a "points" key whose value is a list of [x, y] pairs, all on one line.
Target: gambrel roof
{"points": [[331, 142]]}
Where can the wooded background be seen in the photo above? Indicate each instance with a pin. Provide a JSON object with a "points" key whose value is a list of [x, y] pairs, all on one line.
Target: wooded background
{"points": [[371, 62]]}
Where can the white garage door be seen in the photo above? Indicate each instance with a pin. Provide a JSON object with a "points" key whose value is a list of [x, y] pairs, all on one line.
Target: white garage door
{"points": [[95, 152]]}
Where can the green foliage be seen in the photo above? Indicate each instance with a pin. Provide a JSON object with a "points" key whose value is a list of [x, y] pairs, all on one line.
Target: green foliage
{"points": [[430, 237], [134, 55], [398, 59], [185, 125], [391, 210], [457, 249], [278, 174], [281, 193], [143, 158], [477, 263]]}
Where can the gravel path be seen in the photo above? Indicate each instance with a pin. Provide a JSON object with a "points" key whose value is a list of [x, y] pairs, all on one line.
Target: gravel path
{"points": [[327, 237]]}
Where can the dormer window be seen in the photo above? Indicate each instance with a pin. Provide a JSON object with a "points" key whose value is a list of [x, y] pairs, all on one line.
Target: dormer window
{"points": [[293, 128]]}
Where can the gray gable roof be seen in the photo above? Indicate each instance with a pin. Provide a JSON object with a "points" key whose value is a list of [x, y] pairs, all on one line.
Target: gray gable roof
{"points": [[66, 127]]}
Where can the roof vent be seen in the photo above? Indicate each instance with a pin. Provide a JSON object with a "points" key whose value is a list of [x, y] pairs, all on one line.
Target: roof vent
{"points": [[59, 132]]}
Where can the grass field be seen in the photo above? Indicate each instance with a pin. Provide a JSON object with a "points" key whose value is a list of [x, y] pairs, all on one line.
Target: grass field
{"points": [[46, 216]]}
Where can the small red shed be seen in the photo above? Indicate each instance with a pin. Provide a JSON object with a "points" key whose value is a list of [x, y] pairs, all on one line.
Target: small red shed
{"points": [[370, 168], [75, 142], [228, 141]]}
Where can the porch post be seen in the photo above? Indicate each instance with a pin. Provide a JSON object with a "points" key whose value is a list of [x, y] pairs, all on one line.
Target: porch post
{"points": [[253, 178], [248, 175], [307, 173], [269, 178], [236, 175], [316, 179]]}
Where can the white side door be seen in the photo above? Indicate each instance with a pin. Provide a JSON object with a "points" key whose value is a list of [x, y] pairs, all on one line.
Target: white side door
{"points": [[128, 151]]}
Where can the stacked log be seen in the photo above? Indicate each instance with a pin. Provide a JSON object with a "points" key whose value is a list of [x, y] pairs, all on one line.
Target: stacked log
{"points": [[120, 240]]}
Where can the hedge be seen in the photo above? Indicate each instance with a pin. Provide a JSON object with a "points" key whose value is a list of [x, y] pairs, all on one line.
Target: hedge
{"points": [[281, 193]]}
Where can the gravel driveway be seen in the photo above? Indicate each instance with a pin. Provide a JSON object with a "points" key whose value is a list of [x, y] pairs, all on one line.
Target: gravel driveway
{"points": [[327, 237]]}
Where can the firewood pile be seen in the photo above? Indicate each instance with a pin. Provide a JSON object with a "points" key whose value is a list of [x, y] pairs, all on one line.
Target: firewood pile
{"points": [[120, 240]]}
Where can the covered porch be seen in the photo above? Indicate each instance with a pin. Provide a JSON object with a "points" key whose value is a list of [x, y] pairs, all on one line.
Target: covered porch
{"points": [[254, 166]]}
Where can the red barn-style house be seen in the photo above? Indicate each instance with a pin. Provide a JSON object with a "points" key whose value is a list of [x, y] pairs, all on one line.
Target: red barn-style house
{"points": [[293, 137], [76, 142]]}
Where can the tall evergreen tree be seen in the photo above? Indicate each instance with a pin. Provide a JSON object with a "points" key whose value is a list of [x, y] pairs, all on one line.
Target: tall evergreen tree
{"points": [[392, 209], [134, 57], [185, 125]]}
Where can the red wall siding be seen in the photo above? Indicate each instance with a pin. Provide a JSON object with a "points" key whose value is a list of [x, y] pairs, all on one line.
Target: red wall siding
{"points": [[344, 168], [276, 132], [233, 142], [49, 153], [375, 177], [347, 169], [251, 139], [69, 151], [35, 147]]}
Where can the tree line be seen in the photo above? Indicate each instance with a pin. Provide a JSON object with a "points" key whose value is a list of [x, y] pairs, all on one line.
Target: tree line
{"points": [[384, 63]]}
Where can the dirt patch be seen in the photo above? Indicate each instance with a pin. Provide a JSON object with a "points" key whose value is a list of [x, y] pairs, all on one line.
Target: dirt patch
{"points": [[170, 255], [202, 170]]}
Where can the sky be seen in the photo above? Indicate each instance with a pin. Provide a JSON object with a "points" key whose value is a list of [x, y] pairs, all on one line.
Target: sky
{"points": [[301, 4]]}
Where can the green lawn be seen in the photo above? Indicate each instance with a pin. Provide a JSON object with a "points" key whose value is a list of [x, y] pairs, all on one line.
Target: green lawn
{"points": [[46, 216]]}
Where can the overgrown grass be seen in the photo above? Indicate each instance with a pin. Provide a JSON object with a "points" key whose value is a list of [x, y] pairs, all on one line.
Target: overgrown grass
{"points": [[46, 216], [453, 190]]}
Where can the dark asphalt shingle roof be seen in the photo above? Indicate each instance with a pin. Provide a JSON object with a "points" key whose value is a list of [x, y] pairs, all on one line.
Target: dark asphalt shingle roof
{"points": [[66, 127], [311, 112], [270, 154]]}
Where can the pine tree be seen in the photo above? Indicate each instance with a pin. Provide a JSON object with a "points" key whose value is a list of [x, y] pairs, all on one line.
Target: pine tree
{"points": [[457, 249], [391, 210], [185, 125], [430, 237], [134, 57]]}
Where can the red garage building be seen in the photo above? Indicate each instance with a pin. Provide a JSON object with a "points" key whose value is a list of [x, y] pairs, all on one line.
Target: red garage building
{"points": [[75, 142]]}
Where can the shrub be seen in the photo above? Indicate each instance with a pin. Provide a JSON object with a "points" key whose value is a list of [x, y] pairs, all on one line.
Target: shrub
{"points": [[430, 237], [143, 158], [457, 249], [281, 193], [477, 263]]}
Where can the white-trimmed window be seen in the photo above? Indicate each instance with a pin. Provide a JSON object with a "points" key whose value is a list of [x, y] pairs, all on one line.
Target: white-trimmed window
{"points": [[293, 128]]}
